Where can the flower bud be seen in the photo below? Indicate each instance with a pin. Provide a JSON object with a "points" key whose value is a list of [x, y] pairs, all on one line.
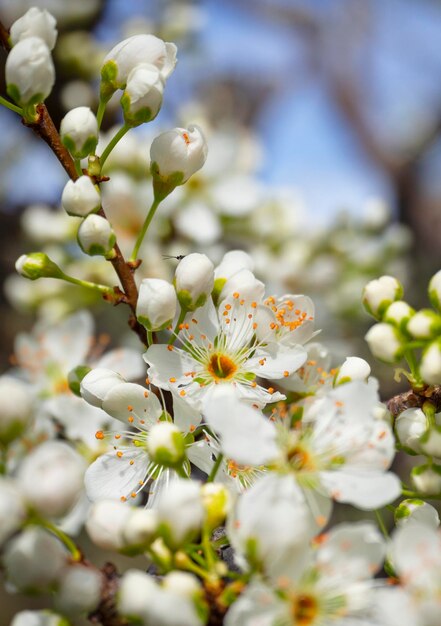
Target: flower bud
{"points": [[30, 73], [157, 302], [35, 23], [416, 511], [142, 97], [175, 155], [183, 496], [79, 590], [424, 324], [410, 425], [37, 265], [245, 284], [51, 478], [16, 403], [353, 368], [97, 383], [217, 503], [399, 314], [435, 290], [140, 528], [384, 342], [34, 560], [12, 509], [96, 236], [427, 479], [106, 523], [80, 197], [232, 262], [137, 590], [75, 377], [194, 279], [38, 618], [430, 368], [128, 54], [166, 445], [380, 293], [79, 132], [431, 442]]}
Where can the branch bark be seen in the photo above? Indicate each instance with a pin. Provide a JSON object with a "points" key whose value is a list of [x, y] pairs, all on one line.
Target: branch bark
{"points": [[412, 399]]}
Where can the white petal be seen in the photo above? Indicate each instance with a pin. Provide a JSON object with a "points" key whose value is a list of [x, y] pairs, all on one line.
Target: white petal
{"points": [[365, 490], [130, 399], [278, 361], [165, 364], [201, 455], [256, 606], [69, 342], [127, 362], [185, 416], [246, 435], [111, 477]]}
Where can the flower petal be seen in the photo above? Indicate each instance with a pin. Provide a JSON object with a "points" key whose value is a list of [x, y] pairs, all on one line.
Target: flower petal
{"points": [[365, 490], [111, 477], [133, 404]]}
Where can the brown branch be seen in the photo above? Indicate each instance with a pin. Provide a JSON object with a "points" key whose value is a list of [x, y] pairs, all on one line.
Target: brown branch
{"points": [[413, 399], [106, 612], [4, 37]]}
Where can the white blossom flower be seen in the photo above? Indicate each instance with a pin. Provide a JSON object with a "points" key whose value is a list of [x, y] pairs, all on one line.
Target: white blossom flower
{"points": [[330, 584], [220, 347], [79, 132], [35, 23], [177, 154], [30, 73], [194, 279]]}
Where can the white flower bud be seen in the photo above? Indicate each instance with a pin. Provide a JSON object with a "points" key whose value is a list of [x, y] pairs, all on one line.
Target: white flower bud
{"points": [[353, 368], [430, 368], [410, 425], [417, 511], [157, 302], [424, 324], [79, 590], [79, 132], [183, 496], [37, 265], [245, 284], [380, 293], [16, 403], [38, 618], [182, 584], [384, 342], [166, 445], [177, 154], [140, 528], [435, 290], [97, 383], [194, 280], [80, 197], [51, 478], [398, 313], [96, 236], [30, 72], [427, 479], [136, 592], [34, 560], [106, 522], [131, 52], [431, 441], [35, 23], [217, 503], [12, 509], [232, 262], [142, 97]]}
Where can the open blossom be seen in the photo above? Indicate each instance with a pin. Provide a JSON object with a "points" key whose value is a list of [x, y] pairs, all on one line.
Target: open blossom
{"points": [[135, 457], [327, 585], [220, 347]]}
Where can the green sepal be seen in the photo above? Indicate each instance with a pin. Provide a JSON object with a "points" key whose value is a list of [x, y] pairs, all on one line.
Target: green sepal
{"points": [[75, 377]]}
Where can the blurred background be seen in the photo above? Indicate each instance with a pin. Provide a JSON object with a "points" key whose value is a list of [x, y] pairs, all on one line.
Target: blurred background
{"points": [[323, 121]]}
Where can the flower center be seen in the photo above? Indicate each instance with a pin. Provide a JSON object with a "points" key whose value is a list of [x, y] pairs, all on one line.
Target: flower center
{"points": [[300, 459], [304, 610], [221, 366]]}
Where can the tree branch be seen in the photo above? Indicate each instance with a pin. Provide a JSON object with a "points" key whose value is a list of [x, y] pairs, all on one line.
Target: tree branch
{"points": [[412, 399]]}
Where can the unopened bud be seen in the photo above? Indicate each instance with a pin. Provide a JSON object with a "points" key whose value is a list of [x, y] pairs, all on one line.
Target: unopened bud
{"points": [[435, 290], [37, 265], [217, 503], [183, 496], [175, 155], [399, 314], [427, 479], [353, 368], [417, 511], [431, 441], [106, 523], [380, 293], [38, 618], [12, 509], [79, 590], [142, 97], [35, 23], [97, 383], [30, 72], [194, 279], [157, 302], [385, 342], [424, 324], [16, 404], [166, 445], [79, 132], [80, 197], [140, 528], [96, 236], [410, 425], [430, 368]]}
